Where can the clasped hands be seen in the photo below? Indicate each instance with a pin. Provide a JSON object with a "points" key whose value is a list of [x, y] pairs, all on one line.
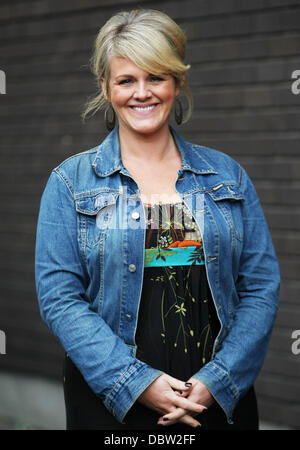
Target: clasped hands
{"points": [[176, 400]]}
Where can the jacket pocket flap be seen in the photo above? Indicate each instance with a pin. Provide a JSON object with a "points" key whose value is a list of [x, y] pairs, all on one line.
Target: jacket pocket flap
{"points": [[91, 204], [225, 191]]}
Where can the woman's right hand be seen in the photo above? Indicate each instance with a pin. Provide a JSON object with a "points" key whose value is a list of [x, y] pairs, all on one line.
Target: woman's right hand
{"points": [[161, 396]]}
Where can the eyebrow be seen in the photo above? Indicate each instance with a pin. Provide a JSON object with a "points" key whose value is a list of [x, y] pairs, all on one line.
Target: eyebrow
{"points": [[124, 75]]}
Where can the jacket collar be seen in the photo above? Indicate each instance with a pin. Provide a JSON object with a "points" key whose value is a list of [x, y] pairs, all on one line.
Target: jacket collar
{"points": [[108, 158]]}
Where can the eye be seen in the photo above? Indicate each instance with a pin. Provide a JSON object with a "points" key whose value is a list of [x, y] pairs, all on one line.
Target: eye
{"points": [[156, 78], [125, 81]]}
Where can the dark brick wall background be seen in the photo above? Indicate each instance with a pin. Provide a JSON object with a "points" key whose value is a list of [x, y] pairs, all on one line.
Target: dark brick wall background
{"points": [[242, 55]]}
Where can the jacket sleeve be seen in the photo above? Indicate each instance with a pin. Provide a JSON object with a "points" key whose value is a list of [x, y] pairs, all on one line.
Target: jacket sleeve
{"points": [[105, 361], [240, 357]]}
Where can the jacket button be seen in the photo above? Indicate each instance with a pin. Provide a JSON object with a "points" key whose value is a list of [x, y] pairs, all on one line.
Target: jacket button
{"points": [[135, 215], [129, 317], [132, 268]]}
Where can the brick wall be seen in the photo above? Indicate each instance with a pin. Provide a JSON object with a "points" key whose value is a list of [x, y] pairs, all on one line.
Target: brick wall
{"points": [[242, 56]]}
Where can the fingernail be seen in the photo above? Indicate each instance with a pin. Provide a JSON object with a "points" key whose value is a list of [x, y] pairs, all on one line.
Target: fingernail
{"points": [[165, 419], [188, 384]]}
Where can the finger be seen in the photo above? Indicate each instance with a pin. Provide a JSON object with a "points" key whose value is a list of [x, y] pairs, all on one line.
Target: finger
{"points": [[178, 384], [175, 415], [180, 393], [178, 414], [185, 403], [189, 420]]}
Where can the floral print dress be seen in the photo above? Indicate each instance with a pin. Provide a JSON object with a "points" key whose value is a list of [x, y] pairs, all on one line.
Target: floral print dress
{"points": [[176, 329], [177, 322]]}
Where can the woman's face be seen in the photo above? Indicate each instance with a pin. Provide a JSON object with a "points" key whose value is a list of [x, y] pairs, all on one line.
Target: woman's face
{"points": [[142, 101]]}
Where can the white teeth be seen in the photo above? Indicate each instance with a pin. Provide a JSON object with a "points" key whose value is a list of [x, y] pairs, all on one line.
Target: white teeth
{"points": [[143, 108]]}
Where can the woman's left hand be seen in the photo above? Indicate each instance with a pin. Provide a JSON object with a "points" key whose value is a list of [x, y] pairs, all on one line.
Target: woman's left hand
{"points": [[198, 394]]}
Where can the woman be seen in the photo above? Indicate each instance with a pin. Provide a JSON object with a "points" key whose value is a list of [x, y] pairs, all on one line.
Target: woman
{"points": [[154, 264]]}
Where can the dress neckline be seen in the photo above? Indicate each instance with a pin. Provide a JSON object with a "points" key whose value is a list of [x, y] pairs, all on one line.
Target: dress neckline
{"points": [[152, 205]]}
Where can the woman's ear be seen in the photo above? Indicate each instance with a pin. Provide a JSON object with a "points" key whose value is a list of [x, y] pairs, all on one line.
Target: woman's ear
{"points": [[178, 86], [102, 84]]}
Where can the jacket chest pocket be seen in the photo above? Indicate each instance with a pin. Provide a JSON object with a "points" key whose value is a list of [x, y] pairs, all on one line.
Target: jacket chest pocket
{"points": [[97, 213], [228, 198]]}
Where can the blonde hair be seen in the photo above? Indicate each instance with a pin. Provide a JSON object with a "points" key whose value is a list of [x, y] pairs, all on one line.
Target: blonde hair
{"points": [[151, 40]]}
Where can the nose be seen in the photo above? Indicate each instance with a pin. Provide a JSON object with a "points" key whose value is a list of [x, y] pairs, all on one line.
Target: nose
{"points": [[142, 91]]}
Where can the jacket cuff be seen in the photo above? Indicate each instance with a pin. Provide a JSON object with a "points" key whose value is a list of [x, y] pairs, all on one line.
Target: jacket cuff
{"points": [[129, 387], [220, 385]]}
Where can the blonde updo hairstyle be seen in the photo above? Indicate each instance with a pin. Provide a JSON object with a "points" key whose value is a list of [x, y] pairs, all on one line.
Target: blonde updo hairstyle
{"points": [[148, 38]]}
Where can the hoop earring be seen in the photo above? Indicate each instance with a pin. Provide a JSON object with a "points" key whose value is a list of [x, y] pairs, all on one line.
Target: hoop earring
{"points": [[178, 111], [110, 122]]}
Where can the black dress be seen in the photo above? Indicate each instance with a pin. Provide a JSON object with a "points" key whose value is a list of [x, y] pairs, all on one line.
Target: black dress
{"points": [[177, 326], [177, 320]]}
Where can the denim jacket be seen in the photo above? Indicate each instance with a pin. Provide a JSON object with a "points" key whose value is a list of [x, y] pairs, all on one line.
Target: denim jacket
{"points": [[90, 260]]}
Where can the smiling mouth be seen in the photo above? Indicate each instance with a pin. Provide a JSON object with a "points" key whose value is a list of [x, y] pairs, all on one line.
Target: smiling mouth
{"points": [[145, 108]]}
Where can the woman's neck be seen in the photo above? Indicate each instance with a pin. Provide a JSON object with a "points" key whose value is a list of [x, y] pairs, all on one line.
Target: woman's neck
{"points": [[153, 148]]}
